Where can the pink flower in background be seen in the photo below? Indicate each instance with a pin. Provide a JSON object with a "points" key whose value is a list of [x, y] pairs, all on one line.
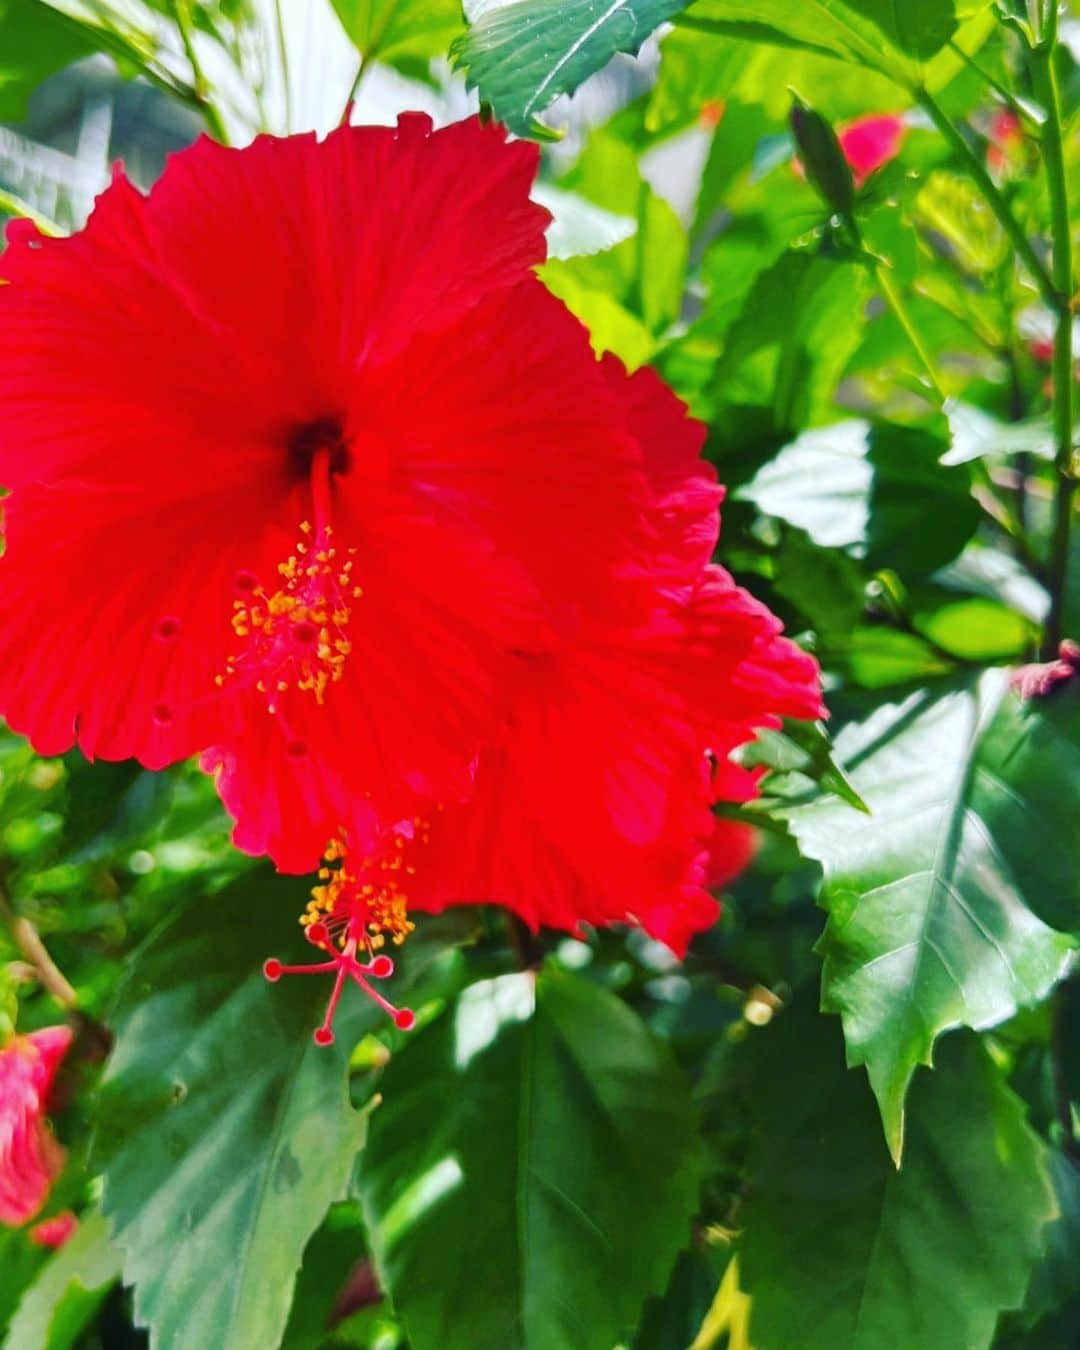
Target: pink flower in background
{"points": [[1006, 137], [30, 1158], [54, 1232], [869, 143]]}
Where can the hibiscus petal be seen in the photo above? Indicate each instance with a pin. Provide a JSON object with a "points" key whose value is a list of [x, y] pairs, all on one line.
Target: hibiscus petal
{"points": [[115, 644]]}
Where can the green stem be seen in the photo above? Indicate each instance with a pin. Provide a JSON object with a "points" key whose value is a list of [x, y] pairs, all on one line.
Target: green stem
{"points": [[12, 205], [1046, 89], [370, 54], [993, 196], [896, 303], [182, 15], [354, 88]]}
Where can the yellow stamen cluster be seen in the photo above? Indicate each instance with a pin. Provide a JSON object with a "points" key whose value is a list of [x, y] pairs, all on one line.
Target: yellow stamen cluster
{"points": [[371, 895], [296, 637]]}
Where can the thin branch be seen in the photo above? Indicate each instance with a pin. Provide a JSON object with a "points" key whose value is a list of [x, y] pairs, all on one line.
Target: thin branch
{"points": [[29, 942]]}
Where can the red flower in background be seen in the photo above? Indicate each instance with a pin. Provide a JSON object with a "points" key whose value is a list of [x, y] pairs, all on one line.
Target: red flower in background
{"points": [[869, 143], [54, 1232], [30, 1158], [1006, 140]]}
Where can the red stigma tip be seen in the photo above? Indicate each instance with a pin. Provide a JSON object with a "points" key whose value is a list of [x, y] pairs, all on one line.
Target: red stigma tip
{"points": [[319, 934], [324, 1036], [273, 970], [405, 1019], [382, 967]]}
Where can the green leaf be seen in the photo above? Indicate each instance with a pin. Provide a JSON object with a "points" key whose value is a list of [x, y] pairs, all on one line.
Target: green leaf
{"points": [[842, 1252], [1055, 1282], [977, 434], [335, 1251], [579, 226], [61, 1302], [532, 1172], [890, 37], [876, 658], [400, 30], [644, 274], [1029, 792], [977, 629], [228, 1132], [802, 748], [34, 42], [825, 585], [20, 1261], [522, 55], [699, 67], [931, 898], [877, 490], [798, 326]]}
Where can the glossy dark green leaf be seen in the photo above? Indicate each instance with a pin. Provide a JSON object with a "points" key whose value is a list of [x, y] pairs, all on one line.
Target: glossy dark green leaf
{"points": [[876, 490], [826, 586], [532, 1171], [522, 54], [68, 1291], [798, 326], [932, 898], [228, 1133], [841, 1251]]}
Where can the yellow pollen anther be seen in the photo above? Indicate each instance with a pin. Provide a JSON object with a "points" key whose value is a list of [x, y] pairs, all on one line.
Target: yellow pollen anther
{"points": [[363, 900], [295, 637]]}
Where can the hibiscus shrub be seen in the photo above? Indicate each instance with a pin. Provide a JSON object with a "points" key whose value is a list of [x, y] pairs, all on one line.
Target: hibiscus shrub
{"points": [[687, 917]]}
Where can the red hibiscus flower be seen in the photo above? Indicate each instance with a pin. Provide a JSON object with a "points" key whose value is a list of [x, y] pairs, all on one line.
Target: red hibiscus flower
{"points": [[301, 454], [30, 1158], [869, 143]]}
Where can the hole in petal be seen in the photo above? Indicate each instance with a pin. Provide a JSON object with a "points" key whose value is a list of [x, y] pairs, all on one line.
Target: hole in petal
{"points": [[167, 628], [163, 714]]}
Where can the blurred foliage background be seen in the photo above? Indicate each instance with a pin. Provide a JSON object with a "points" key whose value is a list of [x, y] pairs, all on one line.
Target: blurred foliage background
{"points": [[749, 1148]]}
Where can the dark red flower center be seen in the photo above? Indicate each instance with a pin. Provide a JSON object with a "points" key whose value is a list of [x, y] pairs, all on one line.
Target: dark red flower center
{"points": [[305, 441]]}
